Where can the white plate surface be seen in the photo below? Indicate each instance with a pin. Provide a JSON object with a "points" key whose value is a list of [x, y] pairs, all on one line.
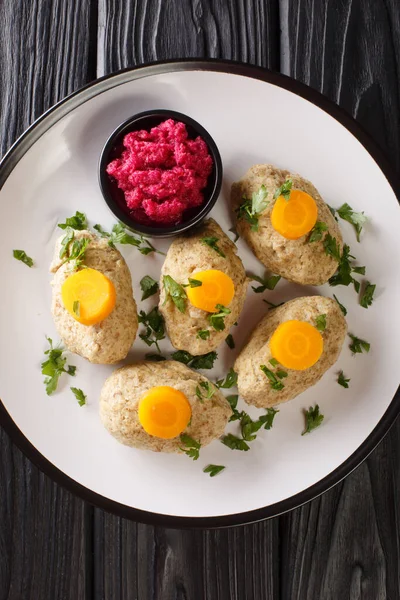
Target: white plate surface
{"points": [[252, 122]]}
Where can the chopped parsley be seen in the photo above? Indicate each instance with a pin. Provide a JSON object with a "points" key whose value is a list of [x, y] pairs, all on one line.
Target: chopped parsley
{"points": [[267, 283], [230, 342], [204, 361], [342, 380], [343, 275], [233, 400], [79, 395], [320, 322], [273, 362], [367, 295], [274, 382], [149, 286], [176, 292], [203, 334], [229, 381], [65, 242], [209, 391], [357, 219], [268, 419], [213, 470], [78, 222], [23, 257], [313, 419], [182, 356], [331, 247], [76, 308], [195, 283], [155, 357], [192, 448], [317, 232], [249, 428], [73, 249], [342, 308], [357, 345], [54, 367], [235, 443], [251, 209], [119, 235], [284, 190], [155, 327], [212, 243], [217, 319]]}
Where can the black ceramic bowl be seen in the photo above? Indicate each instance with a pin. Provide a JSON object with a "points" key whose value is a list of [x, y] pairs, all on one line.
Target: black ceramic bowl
{"points": [[115, 197]]}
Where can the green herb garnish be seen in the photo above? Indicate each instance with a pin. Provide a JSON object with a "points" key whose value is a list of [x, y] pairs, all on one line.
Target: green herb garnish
{"points": [[155, 327], [212, 243], [192, 448], [357, 219], [230, 342], [342, 380], [235, 443], [271, 304], [119, 235], [281, 374], [342, 308], [76, 308], [267, 282], [358, 346], [233, 400], [65, 242], [155, 357], [249, 428], [274, 382], [217, 319], [203, 334], [229, 381], [284, 190], [182, 356], [273, 362], [23, 257], [54, 367], [313, 419], [79, 395], [195, 283], [332, 247], [73, 249], [343, 275], [235, 233], [321, 322], [268, 419], [175, 292], [317, 232], [367, 295], [208, 388], [78, 222], [149, 287], [213, 470], [251, 209], [204, 361]]}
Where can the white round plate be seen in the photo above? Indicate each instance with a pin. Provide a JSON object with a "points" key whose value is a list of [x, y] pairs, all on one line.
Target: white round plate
{"points": [[254, 117]]}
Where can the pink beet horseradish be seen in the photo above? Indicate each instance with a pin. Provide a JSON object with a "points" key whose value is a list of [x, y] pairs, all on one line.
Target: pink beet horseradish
{"points": [[162, 173]]}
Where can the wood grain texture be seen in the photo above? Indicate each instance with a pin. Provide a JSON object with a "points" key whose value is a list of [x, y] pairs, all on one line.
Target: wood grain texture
{"points": [[44, 530]]}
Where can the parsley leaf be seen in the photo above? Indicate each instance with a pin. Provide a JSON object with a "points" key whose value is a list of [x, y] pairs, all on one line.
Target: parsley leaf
{"points": [[233, 400], [342, 380], [213, 470], [73, 249], [358, 346], [155, 327], [250, 210], [331, 247], [203, 334], [274, 382], [317, 231], [23, 257], [217, 319], [343, 275], [76, 308], [321, 322], [235, 443], [367, 296], [313, 419], [78, 221], [229, 381], [195, 283], [333, 212], [284, 190], [155, 357], [79, 395], [267, 283], [209, 391], [268, 419], [119, 235], [212, 243], [204, 361], [192, 448], [149, 286], [342, 308], [54, 367], [273, 362], [182, 356], [176, 292], [357, 219], [230, 342], [66, 241], [249, 428]]}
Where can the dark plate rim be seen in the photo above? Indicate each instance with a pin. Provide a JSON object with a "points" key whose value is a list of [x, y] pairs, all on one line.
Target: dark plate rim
{"points": [[45, 122]]}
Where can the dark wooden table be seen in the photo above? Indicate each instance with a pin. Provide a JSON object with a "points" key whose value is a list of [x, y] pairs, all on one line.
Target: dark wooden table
{"points": [[344, 545]]}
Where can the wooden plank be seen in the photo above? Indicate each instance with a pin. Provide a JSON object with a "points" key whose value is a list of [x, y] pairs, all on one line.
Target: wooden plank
{"points": [[45, 543], [346, 544], [137, 561]]}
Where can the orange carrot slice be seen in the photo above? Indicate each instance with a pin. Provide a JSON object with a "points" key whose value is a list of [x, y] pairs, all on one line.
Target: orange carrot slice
{"points": [[89, 296], [295, 217], [296, 345], [216, 288], [164, 412]]}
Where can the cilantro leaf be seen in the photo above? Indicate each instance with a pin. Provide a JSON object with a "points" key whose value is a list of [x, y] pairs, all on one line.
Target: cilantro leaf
{"points": [[357, 219], [194, 282], [249, 428], [73, 249], [204, 361], [182, 356], [267, 283], [367, 295], [175, 292], [342, 308], [78, 222], [358, 346], [331, 247], [250, 210], [192, 447], [284, 190], [229, 381], [274, 382], [155, 357], [235, 443], [212, 243], [343, 275], [317, 232], [203, 334], [321, 322], [23, 257], [213, 470], [155, 327], [313, 419], [268, 419], [54, 367], [230, 342], [342, 380], [149, 286], [79, 395], [217, 319]]}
